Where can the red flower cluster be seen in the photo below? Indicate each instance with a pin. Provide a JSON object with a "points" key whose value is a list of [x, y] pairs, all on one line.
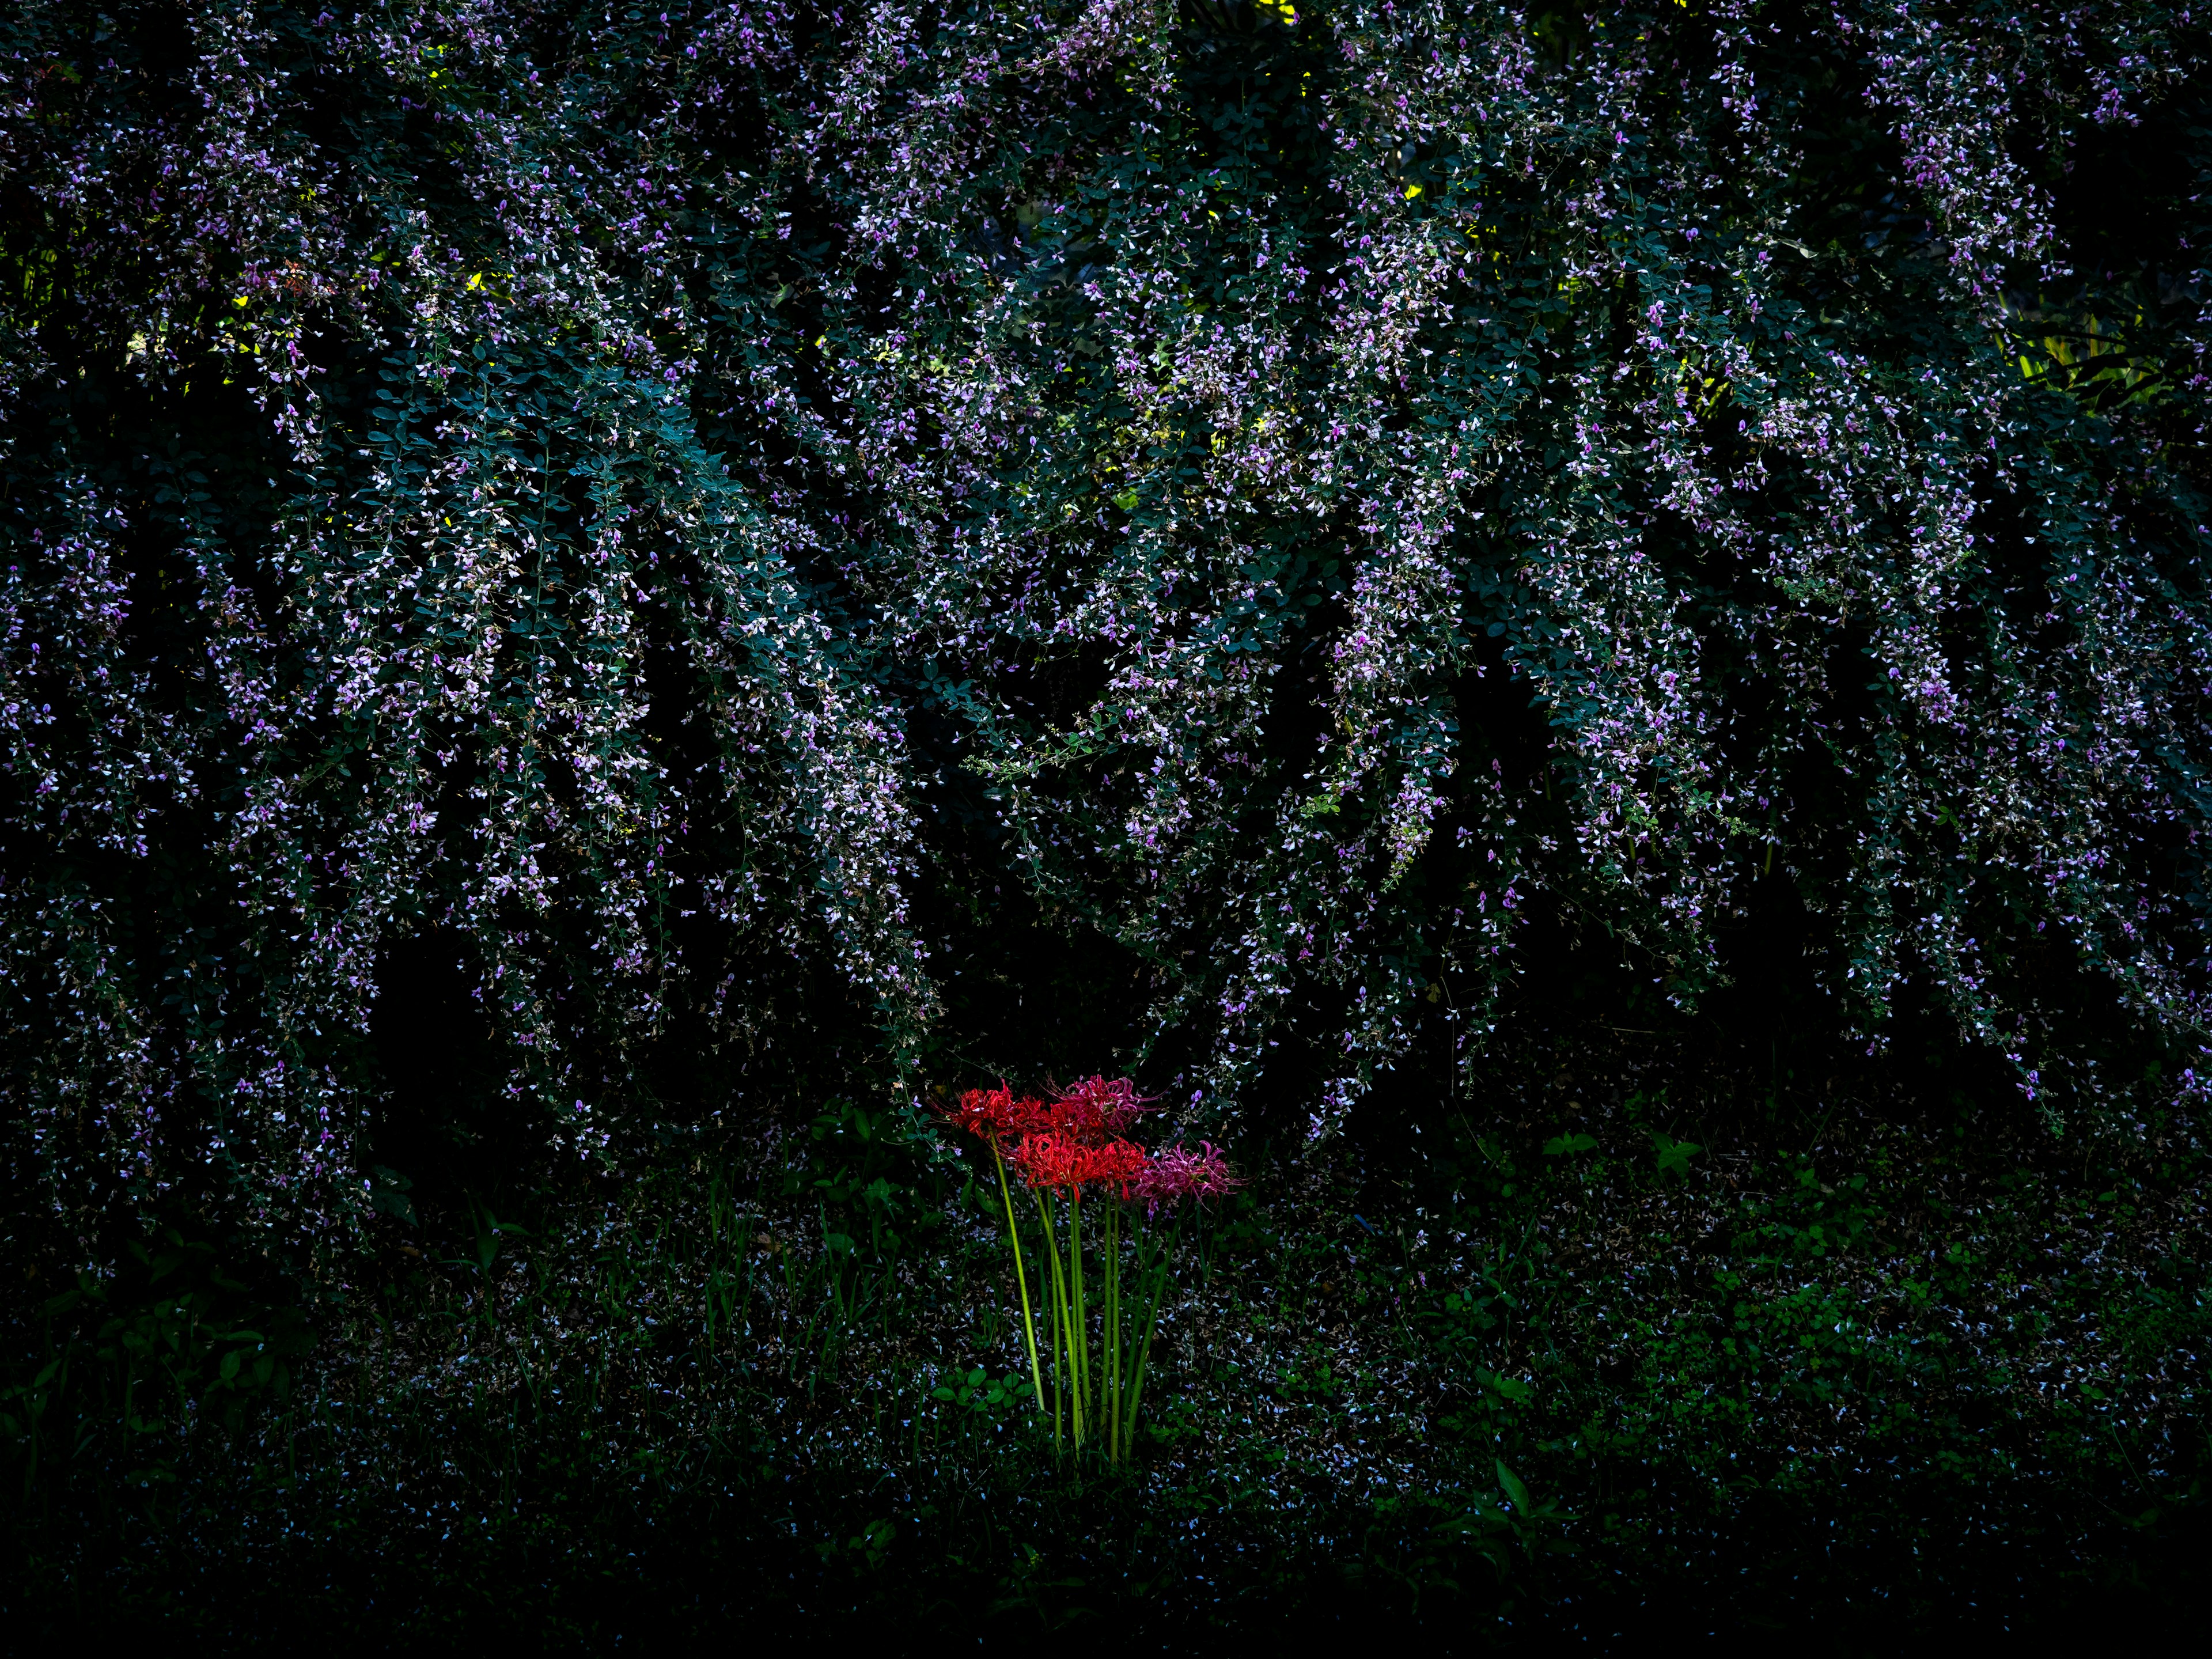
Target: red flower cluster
{"points": [[996, 1115], [1080, 1139], [1062, 1160]]}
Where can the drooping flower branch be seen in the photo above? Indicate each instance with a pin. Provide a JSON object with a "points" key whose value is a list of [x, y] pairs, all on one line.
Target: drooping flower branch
{"points": [[572, 498]]}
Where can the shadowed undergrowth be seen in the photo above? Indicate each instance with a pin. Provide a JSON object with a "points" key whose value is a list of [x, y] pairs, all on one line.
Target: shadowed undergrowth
{"points": [[1586, 1366]]}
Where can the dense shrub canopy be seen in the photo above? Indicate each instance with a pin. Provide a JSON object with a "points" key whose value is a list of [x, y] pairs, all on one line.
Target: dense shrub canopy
{"points": [[661, 515]]}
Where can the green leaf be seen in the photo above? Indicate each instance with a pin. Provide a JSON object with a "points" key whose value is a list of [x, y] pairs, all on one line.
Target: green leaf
{"points": [[1674, 1155], [1510, 1484], [1560, 1145], [1512, 1388], [385, 1200]]}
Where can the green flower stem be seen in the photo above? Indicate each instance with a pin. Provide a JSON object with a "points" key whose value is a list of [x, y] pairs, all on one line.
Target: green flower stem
{"points": [[1059, 1319], [1111, 1336], [1144, 1348], [1078, 1338], [1021, 1276]]}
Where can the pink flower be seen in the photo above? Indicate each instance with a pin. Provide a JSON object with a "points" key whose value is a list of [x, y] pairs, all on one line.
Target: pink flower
{"points": [[1176, 1173], [1097, 1110]]}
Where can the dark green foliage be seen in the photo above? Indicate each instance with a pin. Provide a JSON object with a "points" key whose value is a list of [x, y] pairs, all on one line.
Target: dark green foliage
{"points": [[1590, 1365]]}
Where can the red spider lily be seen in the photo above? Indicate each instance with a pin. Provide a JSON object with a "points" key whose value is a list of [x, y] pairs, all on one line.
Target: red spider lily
{"points": [[1119, 1164], [1079, 1141], [1055, 1160], [996, 1115], [1045, 1161]]}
